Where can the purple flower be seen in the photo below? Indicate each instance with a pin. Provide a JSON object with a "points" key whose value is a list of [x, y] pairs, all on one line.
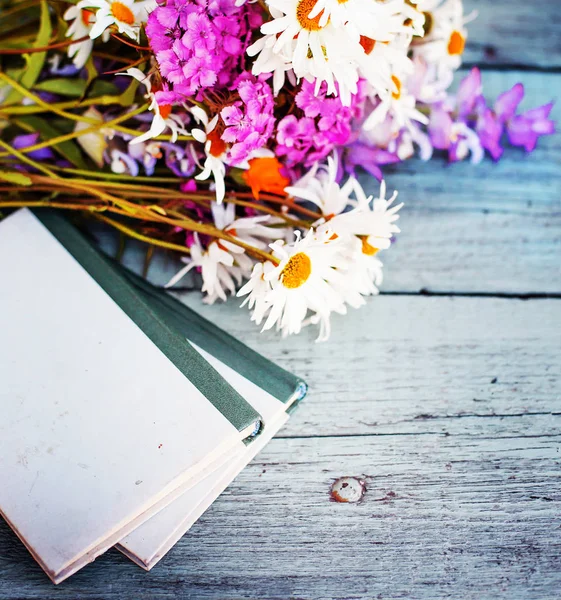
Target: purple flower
{"points": [[227, 30], [469, 92], [440, 128], [30, 139], [325, 125], [308, 101], [180, 161], [490, 131], [199, 36], [199, 72], [200, 45], [249, 121], [172, 62], [236, 124], [369, 158], [507, 103], [160, 34], [295, 138], [525, 129]]}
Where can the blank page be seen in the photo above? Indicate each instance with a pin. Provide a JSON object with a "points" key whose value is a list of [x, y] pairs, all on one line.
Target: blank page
{"points": [[96, 424]]}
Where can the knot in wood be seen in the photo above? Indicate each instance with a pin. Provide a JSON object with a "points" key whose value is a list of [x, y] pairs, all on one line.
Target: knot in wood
{"points": [[348, 489]]}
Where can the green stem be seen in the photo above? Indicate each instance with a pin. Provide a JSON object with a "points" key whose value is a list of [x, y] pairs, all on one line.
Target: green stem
{"points": [[27, 160], [61, 113], [139, 236], [75, 134], [117, 176]]}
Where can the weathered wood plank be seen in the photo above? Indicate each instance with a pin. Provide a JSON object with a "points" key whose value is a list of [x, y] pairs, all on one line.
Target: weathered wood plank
{"points": [[412, 364], [483, 228], [487, 228], [443, 517], [514, 33]]}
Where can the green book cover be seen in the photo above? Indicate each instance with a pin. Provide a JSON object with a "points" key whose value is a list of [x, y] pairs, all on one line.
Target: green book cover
{"points": [[281, 384], [154, 323]]}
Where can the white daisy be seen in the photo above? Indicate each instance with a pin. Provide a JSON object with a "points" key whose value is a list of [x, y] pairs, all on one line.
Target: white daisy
{"points": [[380, 21], [300, 283], [400, 105], [219, 271], [445, 40], [223, 263], [379, 61], [372, 220], [82, 22], [335, 265], [214, 148], [323, 52], [123, 14], [255, 290], [320, 187], [268, 61], [416, 13], [163, 116]]}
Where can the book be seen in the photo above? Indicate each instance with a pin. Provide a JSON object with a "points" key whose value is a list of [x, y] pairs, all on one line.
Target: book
{"points": [[271, 390], [265, 374], [149, 542], [107, 413]]}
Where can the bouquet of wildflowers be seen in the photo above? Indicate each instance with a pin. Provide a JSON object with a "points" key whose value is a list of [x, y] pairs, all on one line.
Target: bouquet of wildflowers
{"points": [[231, 131]]}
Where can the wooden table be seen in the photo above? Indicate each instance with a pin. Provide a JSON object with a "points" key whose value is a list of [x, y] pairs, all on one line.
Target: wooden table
{"points": [[443, 394]]}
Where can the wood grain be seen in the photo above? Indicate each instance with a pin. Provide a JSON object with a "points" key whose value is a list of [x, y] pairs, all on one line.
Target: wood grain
{"points": [[508, 33], [443, 517], [462, 474]]}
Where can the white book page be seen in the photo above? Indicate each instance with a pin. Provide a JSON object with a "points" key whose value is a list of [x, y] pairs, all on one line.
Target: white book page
{"points": [[96, 424], [147, 544], [150, 542]]}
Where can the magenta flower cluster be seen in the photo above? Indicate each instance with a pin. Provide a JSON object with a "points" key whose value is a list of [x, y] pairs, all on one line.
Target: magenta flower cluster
{"points": [[249, 121], [201, 45], [323, 125]]}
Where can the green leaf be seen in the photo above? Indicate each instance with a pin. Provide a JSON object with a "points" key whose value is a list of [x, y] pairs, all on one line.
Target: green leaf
{"points": [[14, 21], [68, 149], [15, 177], [75, 88], [36, 60]]}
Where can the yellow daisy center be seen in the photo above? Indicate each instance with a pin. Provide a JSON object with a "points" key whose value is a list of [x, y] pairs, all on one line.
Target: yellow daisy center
{"points": [[396, 94], [367, 249], [303, 9], [456, 43], [296, 271], [122, 13]]}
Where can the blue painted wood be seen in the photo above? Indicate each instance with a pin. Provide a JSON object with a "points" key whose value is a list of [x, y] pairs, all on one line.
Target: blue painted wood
{"points": [[448, 407], [508, 33]]}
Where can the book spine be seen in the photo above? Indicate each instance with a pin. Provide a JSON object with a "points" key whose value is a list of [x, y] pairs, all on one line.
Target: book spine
{"points": [[239, 412]]}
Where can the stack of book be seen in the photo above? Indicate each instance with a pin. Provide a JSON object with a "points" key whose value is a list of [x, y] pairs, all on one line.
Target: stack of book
{"points": [[123, 414]]}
